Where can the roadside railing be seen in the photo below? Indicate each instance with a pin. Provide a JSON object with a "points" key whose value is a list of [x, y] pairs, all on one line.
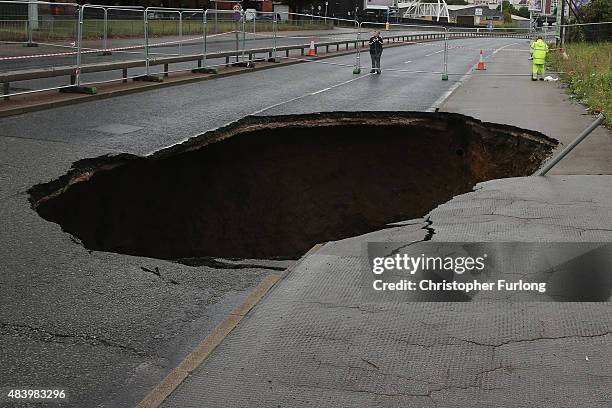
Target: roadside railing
{"points": [[583, 135], [95, 44]]}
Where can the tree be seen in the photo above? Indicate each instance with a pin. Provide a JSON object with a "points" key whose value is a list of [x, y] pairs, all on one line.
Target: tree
{"points": [[523, 12], [506, 5], [507, 16], [596, 11]]}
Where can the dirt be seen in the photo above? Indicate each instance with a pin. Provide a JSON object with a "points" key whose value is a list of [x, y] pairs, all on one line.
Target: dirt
{"points": [[268, 187]]}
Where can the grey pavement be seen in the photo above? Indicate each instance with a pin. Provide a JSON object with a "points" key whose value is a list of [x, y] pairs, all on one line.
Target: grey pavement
{"points": [[542, 106], [108, 327], [315, 341]]}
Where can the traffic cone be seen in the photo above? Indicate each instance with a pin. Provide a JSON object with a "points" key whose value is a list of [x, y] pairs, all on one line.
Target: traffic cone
{"points": [[481, 66], [312, 51]]}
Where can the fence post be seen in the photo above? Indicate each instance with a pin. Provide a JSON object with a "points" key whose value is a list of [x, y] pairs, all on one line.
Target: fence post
{"points": [[75, 80], [32, 15], [79, 46], [147, 76], [105, 46], [180, 47], [236, 25], [105, 50], [243, 35], [203, 68], [204, 32], [357, 69], [146, 41], [274, 28], [445, 72]]}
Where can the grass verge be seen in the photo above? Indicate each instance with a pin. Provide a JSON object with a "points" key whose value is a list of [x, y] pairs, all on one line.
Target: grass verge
{"points": [[588, 73]]}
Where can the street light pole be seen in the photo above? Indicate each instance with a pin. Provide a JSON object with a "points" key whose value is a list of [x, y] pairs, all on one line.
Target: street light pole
{"points": [[562, 29], [326, 12]]}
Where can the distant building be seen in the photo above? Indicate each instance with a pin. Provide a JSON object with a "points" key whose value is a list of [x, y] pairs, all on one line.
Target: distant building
{"points": [[473, 14], [520, 21], [492, 4]]}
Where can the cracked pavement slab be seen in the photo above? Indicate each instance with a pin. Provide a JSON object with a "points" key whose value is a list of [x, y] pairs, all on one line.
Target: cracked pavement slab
{"points": [[314, 341]]}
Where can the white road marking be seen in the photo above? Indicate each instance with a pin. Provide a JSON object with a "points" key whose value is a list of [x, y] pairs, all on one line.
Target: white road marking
{"points": [[322, 90], [407, 62], [434, 53], [309, 94]]}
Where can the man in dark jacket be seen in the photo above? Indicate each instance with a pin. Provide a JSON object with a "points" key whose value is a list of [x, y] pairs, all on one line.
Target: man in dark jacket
{"points": [[376, 49]]}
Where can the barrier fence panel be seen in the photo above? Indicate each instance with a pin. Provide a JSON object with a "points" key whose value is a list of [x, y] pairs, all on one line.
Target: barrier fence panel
{"points": [[109, 34], [316, 34], [223, 32], [36, 36]]}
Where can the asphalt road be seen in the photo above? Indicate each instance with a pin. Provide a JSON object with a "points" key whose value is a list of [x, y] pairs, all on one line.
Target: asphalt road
{"points": [[98, 324]]}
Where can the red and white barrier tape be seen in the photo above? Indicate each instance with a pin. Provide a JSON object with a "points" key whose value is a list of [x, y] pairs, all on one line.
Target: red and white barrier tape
{"points": [[95, 50]]}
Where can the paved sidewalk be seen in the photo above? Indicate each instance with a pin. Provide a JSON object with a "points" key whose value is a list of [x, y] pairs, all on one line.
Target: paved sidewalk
{"points": [[542, 106], [315, 341]]}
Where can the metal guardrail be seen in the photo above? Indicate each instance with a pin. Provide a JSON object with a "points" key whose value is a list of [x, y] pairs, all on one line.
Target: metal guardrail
{"points": [[142, 54], [39, 73]]}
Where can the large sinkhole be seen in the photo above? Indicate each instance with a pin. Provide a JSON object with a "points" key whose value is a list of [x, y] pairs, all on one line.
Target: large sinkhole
{"points": [[267, 187]]}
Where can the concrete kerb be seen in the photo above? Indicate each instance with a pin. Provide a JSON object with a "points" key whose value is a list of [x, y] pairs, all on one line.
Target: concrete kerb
{"points": [[202, 351]]}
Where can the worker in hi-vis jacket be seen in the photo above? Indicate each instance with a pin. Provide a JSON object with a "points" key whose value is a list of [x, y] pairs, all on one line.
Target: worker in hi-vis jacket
{"points": [[540, 49]]}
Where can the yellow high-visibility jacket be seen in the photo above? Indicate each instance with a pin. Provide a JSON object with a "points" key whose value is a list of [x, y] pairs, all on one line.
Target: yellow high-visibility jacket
{"points": [[540, 49]]}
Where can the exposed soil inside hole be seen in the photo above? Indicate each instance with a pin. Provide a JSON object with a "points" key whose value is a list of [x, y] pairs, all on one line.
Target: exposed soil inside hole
{"points": [[275, 186]]}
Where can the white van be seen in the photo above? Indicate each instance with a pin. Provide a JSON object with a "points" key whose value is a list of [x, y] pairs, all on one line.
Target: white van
{"points": [[249, 14]]}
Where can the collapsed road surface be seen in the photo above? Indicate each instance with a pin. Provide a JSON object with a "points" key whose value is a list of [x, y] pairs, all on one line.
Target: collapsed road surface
{"points": [[269, 187]]}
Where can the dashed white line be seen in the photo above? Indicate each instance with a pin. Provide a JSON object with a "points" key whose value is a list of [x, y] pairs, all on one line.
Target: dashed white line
{"points": [[309, 94], [433, 53], [322, 90]]}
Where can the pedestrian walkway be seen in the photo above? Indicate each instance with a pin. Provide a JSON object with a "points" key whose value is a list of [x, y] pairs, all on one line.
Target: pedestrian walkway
{"points": [[316, 341], [542, 106]]}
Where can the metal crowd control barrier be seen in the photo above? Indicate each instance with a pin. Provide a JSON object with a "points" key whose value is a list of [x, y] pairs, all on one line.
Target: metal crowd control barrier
{"points": [[228, 19], [137, 39], [123, 66], [129, 46], [30, 29]]}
